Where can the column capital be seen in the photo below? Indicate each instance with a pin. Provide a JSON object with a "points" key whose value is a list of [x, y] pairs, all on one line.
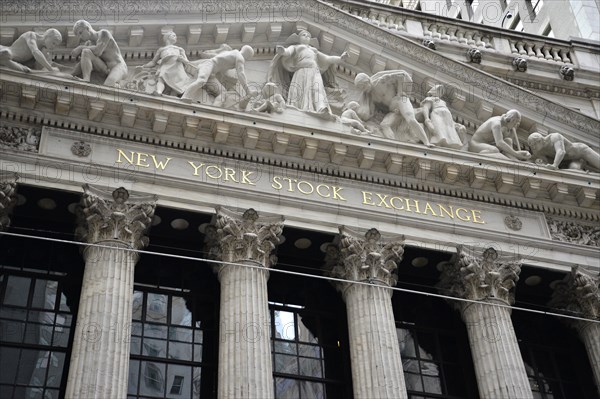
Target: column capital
{"points": [[115, 216], [481, 277], [236, 237], [365, 257], [578, 294], [8, 198]]}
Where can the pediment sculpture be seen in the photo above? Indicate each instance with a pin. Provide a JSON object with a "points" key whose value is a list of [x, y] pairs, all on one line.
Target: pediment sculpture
{"points": [[299, 77]]}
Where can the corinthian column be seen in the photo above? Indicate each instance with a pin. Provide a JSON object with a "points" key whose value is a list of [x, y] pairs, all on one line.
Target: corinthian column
{"points": [[579, 295], [8, 197], [374, 350], [244, 243], [498, 363], [100, 355]]}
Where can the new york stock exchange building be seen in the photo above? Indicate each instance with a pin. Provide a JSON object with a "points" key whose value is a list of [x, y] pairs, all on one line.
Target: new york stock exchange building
{"points": [[294, 199]]}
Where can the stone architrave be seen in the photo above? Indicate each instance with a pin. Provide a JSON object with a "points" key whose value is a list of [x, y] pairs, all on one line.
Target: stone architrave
{"points": [[115, 226], [8, 198], [499, 367], [374, 348], [579, 295], [244, 243]]}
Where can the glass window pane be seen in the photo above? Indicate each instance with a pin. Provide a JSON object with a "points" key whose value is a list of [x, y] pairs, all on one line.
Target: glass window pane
{"points": [[157, 308], [284, 347], [180, 350], [32, 366], [61, 337], [63, 303], [11, 331], [286, 364], [15, 314], [152, 378], [284, 325], [44, 294], [179, 381], [6, 391], [136, 345], [55, 369], [304, 334], [197, 353], [312, 390], [138, 303], [180, 334], [196, 382], [17, 291], [407, 343], [309, 350], [134, 372], [310, 367], [155, 331], [180, 314], [154, 348], [41, 317], [286, 388], [9, 358], [38, 334], [51, 394], [198, 336]]}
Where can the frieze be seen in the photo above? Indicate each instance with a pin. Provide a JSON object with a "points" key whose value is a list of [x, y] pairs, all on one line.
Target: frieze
{"points": [[20, 138], [574, 232]]}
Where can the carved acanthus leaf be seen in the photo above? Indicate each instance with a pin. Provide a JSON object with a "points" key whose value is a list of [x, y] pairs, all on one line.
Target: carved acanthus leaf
{"points": [[8, 198], [480, 277], [115, 217], [578, 294], [573, 232], [365, 258], [238, 237]]}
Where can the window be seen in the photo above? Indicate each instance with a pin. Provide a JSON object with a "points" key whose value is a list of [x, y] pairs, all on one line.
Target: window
{"points": [[167, 346], [548, 31], [517, 24], [537, 6], [35, 333]]}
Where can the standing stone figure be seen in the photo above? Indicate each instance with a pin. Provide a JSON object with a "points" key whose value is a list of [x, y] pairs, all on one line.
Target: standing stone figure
{"points": [[219, 64], [306, 64], [104, 56], [171, 61], [384, 92], [556, 148], [28, 46], [438, 120], [497, 135]]}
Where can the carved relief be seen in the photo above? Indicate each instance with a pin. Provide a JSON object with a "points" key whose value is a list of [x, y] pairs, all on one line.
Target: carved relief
{"points": [[480, 277], [115, 217], [578, 294], [474, 55], [81, 149], [364, 258], [438, 120], [520, 64], [486, 141], [567, 72], [31, 47], [8, 199], [573, 232], [429, 44], [513, 223], [555, 151], [236, 238], [20, 138]]}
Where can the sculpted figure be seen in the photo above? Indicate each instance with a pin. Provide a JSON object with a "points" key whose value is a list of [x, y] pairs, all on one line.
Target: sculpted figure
{"points": [[28, 46], [208, 70], [171, 61], [438, 120], [384, 92], [299, 68], [495, 137], [350, 117], [104, 56], [555, 148], [269, 101]]}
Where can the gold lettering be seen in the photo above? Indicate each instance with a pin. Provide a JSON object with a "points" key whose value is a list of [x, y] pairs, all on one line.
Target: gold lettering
{"points": [[276, 181], [160, 165], [312, 189], [382, 200], [211, 167], [196, 167], [320, 193], [230, 174], [465, 218], [245, 175], [367, 198], [290, 188], [444, 210], [336, 194], [121, 153], [477, 217], [428, 207], [416, 205], [400, 208], [142, 157]]}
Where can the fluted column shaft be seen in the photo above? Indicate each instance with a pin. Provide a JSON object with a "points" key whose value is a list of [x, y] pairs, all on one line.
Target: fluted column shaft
{"points": [[590, 335], [374, 350], [100, 354], [244, 242], [115, 227], [245, 365], [499, 367]]}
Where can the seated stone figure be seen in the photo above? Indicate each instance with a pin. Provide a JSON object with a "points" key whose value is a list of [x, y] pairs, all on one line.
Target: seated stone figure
{"points": [[29, 46], [495, 137], [351, 118], [554, 149], [104, 56], [384, 92], [269, 101]]}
